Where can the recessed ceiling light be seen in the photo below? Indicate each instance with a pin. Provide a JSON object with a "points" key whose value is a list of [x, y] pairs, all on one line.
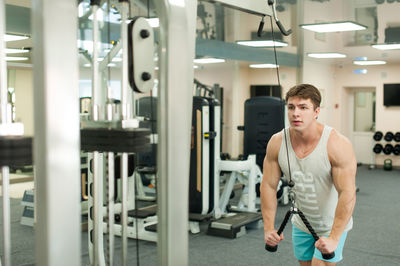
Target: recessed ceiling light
{"points": [[16, 58], [387, 46], [12, 37], [326, 55], [360, 71], [334, 26], [16, 51], [369, 63], [208, 60], [263, 66], [263, 43]]}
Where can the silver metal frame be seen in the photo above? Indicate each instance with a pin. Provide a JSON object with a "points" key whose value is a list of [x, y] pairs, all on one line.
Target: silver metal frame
{"points": [[176, 54], [5, 177], [256, 7], [56, 143]]}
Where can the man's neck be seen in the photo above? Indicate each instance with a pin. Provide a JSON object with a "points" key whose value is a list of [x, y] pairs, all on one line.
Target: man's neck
{"points": [[307, 136]]}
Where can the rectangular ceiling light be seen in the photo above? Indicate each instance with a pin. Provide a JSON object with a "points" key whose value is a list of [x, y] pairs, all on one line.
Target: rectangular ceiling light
{"points": [[263, 66], [334, 26], [263, 43], [326, 55], [12, 37], [208, 60], [16, 51], [369, 63], [16, 58], [387, 46]]}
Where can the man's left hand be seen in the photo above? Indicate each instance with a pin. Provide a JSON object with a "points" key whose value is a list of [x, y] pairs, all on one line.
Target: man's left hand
{"points": [[326, 245]]}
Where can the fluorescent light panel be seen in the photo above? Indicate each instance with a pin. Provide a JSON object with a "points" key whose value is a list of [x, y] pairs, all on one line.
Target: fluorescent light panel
{"points": [[208, 60], [12, 37], [16, 58], [387, 46], [360, 71], [334, 26], [262, 43], [263, 66], [16, 51], [369, 63], [326, 55]]}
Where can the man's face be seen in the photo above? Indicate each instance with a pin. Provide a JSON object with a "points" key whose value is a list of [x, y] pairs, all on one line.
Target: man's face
{"points": [[301, 112]]}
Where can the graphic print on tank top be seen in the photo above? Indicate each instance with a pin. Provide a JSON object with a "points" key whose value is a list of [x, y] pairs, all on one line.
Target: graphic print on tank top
{"points": [[306, 197]]}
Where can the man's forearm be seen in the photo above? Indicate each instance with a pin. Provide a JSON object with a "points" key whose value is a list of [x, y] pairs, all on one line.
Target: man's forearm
{"points": [[344, 211], [268, 206]]}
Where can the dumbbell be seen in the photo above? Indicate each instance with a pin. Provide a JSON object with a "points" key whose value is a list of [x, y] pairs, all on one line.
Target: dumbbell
{"points": [[397, 137], [389, 136], [396, 149], [378, 148], [378, 136], [388, 149]]}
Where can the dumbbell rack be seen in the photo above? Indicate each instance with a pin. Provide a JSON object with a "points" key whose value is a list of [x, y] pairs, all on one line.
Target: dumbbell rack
{"points": [[389, 148]]}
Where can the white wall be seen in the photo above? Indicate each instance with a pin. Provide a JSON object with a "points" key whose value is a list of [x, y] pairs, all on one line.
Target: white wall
{"points": [[387, 118], [24, 99]]}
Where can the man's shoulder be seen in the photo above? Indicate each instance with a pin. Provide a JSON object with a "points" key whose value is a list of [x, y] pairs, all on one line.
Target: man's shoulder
{"points": [[274, 144], [339, 146]]}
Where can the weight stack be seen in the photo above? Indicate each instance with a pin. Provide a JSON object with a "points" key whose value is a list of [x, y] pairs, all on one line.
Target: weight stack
{"points": [[147, 108], [263, 117]]}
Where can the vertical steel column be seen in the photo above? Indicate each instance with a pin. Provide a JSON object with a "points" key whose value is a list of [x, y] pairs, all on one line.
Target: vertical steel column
{"points": [[125, 115], [3, 67], [97, 222], [5, 177], [56, 143], [176, 54]]}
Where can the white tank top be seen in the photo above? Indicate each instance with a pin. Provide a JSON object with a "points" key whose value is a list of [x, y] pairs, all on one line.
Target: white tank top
{"points": [[316, 195]]}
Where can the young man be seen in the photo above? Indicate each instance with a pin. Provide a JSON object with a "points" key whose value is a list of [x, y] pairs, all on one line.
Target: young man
{"points": [[323, 168]]}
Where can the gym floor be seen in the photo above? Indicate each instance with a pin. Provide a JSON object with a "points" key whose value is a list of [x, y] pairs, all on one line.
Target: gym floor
{"points": [[374, 240]]}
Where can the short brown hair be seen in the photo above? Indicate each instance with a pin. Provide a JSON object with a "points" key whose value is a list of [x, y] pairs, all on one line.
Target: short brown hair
{"points": [[305, 91]]}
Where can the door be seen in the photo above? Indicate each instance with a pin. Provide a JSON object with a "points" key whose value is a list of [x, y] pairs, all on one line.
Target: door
{"points": [[362, 123]]}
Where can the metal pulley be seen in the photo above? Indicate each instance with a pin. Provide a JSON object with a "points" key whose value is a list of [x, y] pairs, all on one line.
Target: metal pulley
{"points": [[141, 55]]}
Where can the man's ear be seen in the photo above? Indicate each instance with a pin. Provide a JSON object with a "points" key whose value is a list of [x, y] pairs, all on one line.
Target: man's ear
{"points": [[317, 110]]}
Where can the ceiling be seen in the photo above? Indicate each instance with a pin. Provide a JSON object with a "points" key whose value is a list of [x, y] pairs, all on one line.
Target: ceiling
{"points": [[351, 49]]}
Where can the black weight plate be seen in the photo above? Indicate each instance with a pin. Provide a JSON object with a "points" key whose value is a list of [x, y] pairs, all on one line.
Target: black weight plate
{"points": [[378, 136], [389, 136], [397, 137]]}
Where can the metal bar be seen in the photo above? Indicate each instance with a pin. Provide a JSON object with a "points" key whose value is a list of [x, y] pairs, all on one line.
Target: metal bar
{"points": [[95, 65], [124, 211], [256, 7], [57, 143], [3, 68], [113, 52], [97, 189], [5, 177], [125, 115], [124, 67], [176, 54], [110, 205]]}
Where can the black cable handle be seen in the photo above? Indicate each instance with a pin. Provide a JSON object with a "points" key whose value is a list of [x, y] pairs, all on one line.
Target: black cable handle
{"points": [[326, 256]]}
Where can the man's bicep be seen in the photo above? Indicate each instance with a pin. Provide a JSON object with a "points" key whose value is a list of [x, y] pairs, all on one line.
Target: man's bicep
{"points": [[344, 167], [271, 168]]}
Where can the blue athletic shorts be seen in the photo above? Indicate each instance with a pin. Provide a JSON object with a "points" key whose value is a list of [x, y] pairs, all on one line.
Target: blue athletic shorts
{"points": [[304, 246]]}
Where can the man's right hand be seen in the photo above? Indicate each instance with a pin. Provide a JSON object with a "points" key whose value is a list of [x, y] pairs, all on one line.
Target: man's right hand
{"points": [[272, 238]]}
